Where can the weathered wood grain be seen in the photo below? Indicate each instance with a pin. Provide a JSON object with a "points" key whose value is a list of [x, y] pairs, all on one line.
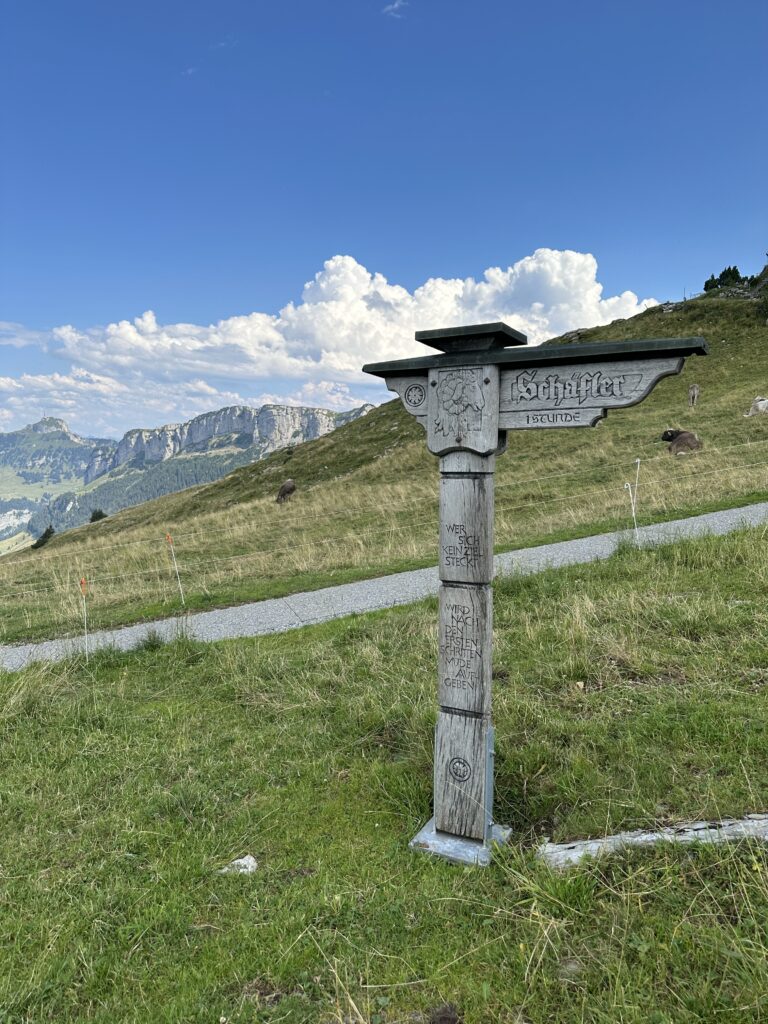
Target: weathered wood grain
{"points": [[465, 647], [413, 394], [460, 774], [466, 529], [467, 462]]}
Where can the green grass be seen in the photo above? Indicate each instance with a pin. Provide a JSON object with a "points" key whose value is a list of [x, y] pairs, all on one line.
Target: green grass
{"points": [[34, 616], [18, 540], [628, 693], [14, 486]]}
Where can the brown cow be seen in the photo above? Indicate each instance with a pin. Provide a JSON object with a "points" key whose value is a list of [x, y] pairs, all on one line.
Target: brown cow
{"points": [[681, 441], [285, 492]]}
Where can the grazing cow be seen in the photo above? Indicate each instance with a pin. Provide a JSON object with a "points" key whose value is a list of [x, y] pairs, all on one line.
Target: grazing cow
{"points": [[681, 441], [285, 492], [760, 405], [693, 395]]}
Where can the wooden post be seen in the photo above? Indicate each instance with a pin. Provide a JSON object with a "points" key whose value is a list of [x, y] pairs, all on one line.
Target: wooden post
{"points": [[464, 734], [466, 398]]}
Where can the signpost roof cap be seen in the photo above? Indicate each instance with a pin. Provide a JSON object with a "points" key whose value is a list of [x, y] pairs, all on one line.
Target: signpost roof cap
{"points": [[474, 338], [542, 355]]}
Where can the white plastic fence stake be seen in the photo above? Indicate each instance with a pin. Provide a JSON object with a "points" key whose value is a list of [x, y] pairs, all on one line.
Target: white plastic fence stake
{"points": [[83, 593], [632, 495], [169, 540]]}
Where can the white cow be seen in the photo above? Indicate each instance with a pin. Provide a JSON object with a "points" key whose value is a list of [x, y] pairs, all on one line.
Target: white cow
{"points": [[760, 405]]}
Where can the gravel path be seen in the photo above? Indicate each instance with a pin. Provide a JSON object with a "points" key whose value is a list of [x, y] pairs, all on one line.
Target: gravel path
{"points": [[284, 613]]}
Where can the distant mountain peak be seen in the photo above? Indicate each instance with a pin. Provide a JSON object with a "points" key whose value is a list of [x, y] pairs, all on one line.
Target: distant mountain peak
{"points": [[49, 425]]}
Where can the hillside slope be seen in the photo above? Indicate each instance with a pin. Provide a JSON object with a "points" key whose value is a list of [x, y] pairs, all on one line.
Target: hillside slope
{"points": [[65, 477], [366, 499]]}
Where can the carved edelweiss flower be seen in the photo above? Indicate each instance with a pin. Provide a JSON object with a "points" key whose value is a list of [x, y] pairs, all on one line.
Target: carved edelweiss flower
{"points": [[453, 394]]}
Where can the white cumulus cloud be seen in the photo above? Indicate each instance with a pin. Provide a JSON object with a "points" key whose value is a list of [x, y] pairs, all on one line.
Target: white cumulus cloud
{"points": [[141, 372]]}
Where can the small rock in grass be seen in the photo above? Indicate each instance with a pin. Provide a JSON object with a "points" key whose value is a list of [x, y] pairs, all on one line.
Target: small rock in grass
{"points": [[447, 1014], [569, 969], [242, 866], [260, 991]]}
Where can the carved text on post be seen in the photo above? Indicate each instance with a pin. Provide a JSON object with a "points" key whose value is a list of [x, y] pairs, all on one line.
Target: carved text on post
{"points": [[577, 388], [465, 551]]}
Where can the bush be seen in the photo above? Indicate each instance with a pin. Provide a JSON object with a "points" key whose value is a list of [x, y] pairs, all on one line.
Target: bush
{"points": [[96, 515], [44, 537]]}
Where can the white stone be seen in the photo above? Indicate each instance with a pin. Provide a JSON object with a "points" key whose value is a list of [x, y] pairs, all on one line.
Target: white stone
{"points": [[242, 866]]}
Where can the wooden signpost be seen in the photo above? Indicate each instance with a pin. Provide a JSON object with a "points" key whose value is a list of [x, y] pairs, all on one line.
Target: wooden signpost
{"points": [[483, 384]]}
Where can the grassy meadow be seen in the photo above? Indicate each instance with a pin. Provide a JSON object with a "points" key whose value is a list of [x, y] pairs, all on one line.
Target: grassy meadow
{"points": [[367, 504], [11, 483], [628, 693]]}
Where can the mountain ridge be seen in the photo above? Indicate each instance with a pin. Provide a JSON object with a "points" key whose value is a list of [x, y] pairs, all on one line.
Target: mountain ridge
{"points": [[45, 452], [269, 426], [58, 464]]}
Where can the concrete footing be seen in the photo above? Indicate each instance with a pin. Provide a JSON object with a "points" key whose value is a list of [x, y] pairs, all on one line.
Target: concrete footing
{"points": [[456, 849]]}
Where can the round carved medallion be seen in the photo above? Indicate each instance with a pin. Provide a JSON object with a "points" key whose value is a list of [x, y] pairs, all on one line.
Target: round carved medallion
{"points": [[414, 395], [460, 769]]}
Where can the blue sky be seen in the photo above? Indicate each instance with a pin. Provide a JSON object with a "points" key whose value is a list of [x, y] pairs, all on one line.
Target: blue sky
{"points": [[203, 160]]}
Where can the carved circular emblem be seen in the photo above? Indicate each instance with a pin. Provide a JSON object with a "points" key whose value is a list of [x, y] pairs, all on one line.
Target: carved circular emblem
{"points": [[414, 395], [459, 769]]}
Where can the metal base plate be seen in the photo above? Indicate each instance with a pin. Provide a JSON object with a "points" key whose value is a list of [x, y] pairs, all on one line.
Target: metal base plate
{"points": [[457, 849]]}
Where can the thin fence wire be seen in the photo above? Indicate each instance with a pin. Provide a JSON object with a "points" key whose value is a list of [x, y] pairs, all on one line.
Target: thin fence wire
{"points": [[406, 504], [413, 525], [389, 508], [319, 542]]}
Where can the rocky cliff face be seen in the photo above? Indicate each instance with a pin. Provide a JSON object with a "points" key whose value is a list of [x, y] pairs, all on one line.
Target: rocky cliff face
{"points": [[146, 464], [14, 516], [267, 428], [99, 463]]}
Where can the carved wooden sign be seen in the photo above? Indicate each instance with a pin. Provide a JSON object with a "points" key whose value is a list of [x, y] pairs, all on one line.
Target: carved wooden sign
{"points": [[483, 384], [577, 395]]}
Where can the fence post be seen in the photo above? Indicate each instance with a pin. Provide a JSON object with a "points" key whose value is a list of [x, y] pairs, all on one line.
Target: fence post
{"points": [[83, 593], [169, 540], [633, 498]]}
